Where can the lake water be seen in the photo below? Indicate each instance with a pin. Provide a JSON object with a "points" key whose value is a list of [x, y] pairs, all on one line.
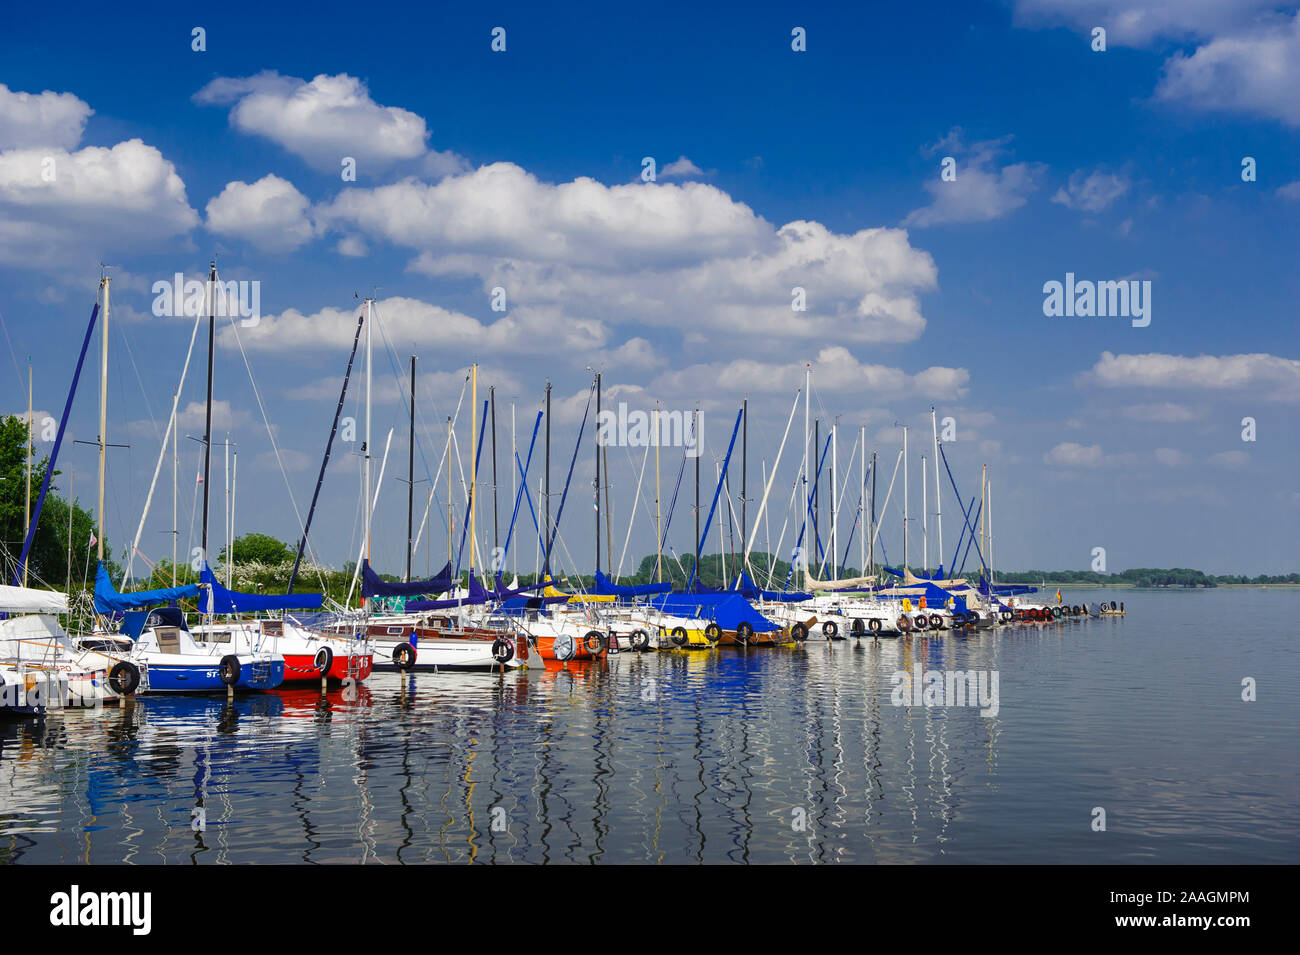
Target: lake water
{"points": [[770, 755]]}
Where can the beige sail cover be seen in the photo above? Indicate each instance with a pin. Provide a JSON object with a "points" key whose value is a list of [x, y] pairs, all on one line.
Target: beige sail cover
{"points": [[844, 583], [911, 580]]}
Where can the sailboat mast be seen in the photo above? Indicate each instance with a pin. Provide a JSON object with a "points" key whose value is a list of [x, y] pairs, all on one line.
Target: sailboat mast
{"points": [[807, 399], [514, 473], [990, 506], [599, 445], [938, 492], [817, 484], [451, 506], [410, 476], [862, 542], [27, 520], [234, 497], [207, 424], [103, 414], [659, 547], [925, 523], [695, 425], [496, 530], [546, 489], [871, 540], [229, 545], [744, 468], [175, 496], [366, 505], [473, 465], [984, 493], [904, 496], [835, 511]]}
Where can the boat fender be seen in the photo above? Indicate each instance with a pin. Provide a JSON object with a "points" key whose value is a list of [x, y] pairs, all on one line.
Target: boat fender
{"points": [[857, 627], [799, 631], [123, 679], [713, 633], [229, 671], [679, 636], [874, 625], [1056, 612], [936, 622], [563, 647], [921, 621], [404, 656], [903, 623], [829, 629], [594, 642], [640, 641], [503, 651], [324, 660]]}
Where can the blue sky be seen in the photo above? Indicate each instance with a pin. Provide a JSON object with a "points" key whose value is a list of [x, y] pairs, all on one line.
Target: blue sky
{"points": [[522, 170]]}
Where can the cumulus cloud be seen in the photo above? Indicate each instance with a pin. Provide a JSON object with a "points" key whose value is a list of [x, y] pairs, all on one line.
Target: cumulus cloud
{"points": [[41, 119], [1290, 191], [1231, 460], [1273, 376], [321, 121], [1255, 70], [685, 255], [1166, 412], [55, 204], [1091, 192], [270, 214], [1139, 22], [835, 370], [524, 330], [982, 190]]}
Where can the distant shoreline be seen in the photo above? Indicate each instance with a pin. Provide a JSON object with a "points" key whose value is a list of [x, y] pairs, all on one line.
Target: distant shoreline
{"points": [[1075, 585]]}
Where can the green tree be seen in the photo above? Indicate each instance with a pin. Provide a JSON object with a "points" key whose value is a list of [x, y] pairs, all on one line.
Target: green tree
{"points": [[260, 549]]}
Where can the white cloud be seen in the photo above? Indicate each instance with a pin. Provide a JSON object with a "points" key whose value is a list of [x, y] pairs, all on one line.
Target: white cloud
{"points": [[680, 168], [1275, 377], [352, 246], [41, 119], [321, 121], [685, 256], [1290, 191], [1170, 457], [524, 330], [1255, 70], [1068, 454], [1139, 22], [270, 214], [1092, 192], [982, 190], [125, 197], [835, 370]]}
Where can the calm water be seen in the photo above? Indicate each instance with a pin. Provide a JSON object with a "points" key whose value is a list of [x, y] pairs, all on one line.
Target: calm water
{"points": [[770, 756]]}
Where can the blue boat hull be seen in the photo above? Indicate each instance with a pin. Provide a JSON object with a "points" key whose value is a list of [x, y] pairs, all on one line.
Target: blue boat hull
{"points": [[207, 679]]}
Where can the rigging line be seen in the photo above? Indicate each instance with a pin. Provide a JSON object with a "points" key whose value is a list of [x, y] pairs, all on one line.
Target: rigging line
{"points": [[130, 354], [632, 517], [18, 375], [257, 394], [780, 541]]}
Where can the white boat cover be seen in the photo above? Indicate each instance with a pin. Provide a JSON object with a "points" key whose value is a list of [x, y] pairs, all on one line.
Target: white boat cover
{"points": [[28, 600]]}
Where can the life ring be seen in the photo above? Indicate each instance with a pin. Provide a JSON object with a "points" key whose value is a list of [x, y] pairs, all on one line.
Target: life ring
{"points": [[921, 621], [594, 642], [123, 679], [799, 631], [679, 636], [936, 622], [713, 633], [324, 660], [874, 625], [503, 651], [640, 641], [830, 629], [745, 631], [229, 670], [404, 656]]}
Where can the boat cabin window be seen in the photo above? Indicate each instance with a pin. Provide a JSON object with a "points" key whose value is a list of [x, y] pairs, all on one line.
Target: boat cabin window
{"points": [[273, 628], [169, 639], [395, 630]]}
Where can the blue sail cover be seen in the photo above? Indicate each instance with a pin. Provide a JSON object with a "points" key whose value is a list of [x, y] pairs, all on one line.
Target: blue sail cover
{"points": [[729, 610], [232, 601], [372, 585], [1004, 590], [607, 588], [751, 591], [108, 600]]}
